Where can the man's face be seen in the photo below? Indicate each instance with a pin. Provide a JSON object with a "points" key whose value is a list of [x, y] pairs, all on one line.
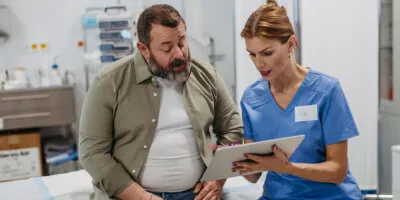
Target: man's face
{"points": [[168, 56]]}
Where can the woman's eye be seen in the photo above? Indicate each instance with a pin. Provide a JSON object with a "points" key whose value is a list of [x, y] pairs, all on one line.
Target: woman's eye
{"points": [[268, 53]]}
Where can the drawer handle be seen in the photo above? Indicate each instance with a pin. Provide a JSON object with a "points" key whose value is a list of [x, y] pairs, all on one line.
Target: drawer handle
{"points": [[27, 97], [29, 115]]}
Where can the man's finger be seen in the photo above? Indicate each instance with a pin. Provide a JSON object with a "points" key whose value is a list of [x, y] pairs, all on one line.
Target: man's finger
{"points": [[214, 147], [203, 192], [210, 195], [198, 187]]}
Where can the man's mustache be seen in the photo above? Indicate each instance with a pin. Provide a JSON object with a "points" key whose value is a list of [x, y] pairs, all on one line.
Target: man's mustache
{"points": [[178, 62]]}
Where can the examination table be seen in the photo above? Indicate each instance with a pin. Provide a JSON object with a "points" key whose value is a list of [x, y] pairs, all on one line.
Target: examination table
{"points": [[77, 186]]}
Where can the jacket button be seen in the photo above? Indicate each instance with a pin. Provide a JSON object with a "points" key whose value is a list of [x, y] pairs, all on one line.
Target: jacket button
{"points": [[145, 146], [133, 171]]}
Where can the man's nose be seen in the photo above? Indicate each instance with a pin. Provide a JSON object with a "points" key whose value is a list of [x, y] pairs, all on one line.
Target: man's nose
{"points": [[178, 52]]}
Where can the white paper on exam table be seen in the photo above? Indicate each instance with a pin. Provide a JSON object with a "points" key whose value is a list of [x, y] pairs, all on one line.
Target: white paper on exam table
{"points": [[221, 164]]}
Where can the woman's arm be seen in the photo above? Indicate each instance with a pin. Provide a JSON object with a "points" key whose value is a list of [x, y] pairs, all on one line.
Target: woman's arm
{"points": [[333, 170]]}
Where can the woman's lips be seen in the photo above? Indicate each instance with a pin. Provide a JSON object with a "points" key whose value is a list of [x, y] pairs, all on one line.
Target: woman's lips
{"points": [[265, 73]]}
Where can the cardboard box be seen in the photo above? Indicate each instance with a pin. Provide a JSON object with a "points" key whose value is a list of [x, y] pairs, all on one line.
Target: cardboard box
{"points": [[20, 156]]}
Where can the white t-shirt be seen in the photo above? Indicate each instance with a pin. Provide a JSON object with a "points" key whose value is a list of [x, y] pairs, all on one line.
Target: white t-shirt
{"points": [[174, 162]]}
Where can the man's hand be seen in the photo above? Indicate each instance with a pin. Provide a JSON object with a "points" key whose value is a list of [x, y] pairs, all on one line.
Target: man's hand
{"points": [[136, 192], [211, 190], [154, 197], [214, 147]]}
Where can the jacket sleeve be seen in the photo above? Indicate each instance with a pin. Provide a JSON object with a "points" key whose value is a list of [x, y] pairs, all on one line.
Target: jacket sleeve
{"points": [[228, 126], [96, 138]]}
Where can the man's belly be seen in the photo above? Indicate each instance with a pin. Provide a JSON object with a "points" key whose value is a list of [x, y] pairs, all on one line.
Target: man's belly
{"points": [[174, 175], [174, 163]]}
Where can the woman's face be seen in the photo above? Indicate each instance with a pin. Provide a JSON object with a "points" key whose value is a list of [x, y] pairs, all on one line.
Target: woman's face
{"points": [[270, 56]]}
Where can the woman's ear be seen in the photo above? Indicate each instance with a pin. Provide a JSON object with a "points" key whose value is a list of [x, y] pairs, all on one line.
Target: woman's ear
{"points": [[292, 44]]}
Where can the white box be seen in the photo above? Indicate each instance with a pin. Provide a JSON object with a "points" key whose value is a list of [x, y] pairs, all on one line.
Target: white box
{"points": [[20, 163]]}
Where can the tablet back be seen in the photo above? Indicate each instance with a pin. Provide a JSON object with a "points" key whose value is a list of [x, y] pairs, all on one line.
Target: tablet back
{"points": [[221, 164]]}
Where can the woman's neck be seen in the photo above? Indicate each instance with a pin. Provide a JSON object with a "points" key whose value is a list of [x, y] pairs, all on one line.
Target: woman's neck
{"points": [[292, 77]]}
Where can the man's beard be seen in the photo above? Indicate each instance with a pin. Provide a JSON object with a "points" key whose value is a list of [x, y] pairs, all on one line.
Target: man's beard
{"points": [[167, 73]]}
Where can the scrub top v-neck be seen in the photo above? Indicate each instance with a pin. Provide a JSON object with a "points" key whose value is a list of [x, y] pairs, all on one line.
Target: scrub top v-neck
{"points": [[289, 107], [318, 110]]}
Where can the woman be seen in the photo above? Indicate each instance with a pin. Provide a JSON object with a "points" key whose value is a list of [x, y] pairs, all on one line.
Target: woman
{"points": [[292, 100]]}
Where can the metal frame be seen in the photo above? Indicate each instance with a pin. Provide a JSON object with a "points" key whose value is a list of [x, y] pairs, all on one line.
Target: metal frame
{"points": [[297, 22], [378, 194], [3, 33], [85, 47]]}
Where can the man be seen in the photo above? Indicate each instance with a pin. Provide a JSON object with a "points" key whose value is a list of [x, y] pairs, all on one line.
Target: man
{"points": [[145, 125]]}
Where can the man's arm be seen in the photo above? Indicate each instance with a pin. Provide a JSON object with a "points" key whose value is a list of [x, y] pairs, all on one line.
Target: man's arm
{"points": [[228, 129], [228, 126], [95, 143]]}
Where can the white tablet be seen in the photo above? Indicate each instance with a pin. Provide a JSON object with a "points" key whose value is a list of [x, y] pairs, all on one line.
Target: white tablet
{"points": [[221, 163]]}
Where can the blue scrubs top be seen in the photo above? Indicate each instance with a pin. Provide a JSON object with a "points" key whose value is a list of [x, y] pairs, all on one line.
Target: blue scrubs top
{"points": [[319, 110]]}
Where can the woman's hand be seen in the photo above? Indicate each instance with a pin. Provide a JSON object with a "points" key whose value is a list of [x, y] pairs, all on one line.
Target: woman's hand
{"points": [[277, 163]]}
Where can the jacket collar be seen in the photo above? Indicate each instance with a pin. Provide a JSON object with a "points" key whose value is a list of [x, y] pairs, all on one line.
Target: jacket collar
{"points": [[142, 70]]}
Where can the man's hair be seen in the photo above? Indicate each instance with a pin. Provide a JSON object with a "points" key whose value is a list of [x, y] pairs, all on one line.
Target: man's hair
{"points": [[162, 14]]}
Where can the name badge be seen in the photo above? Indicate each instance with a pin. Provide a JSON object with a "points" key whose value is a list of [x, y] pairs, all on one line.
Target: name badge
{"points": [[306, 113]]}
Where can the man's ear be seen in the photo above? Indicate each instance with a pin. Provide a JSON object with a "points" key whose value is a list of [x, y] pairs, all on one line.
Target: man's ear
{"points": [[144, 50]]}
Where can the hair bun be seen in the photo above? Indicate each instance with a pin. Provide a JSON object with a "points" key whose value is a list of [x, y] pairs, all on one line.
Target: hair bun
{"points": [[273, 2], [283, 10]]}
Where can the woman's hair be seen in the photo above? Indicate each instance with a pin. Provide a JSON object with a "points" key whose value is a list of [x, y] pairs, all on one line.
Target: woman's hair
{"points": [[269, 21]]}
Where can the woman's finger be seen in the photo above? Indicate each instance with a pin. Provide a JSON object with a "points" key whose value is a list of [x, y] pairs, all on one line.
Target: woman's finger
{"points": [[280, 154]]}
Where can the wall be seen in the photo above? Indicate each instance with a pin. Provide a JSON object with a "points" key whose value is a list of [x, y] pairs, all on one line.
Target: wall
{"points": [[246, 72], [218, 23], [347, 48]]}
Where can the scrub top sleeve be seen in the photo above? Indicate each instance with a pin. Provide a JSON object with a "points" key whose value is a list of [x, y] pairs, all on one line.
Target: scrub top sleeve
{"points": [[248, 132], [337, 121]]}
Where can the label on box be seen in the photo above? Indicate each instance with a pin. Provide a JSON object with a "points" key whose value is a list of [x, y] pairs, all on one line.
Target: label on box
{"points": [[19, 164]]}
